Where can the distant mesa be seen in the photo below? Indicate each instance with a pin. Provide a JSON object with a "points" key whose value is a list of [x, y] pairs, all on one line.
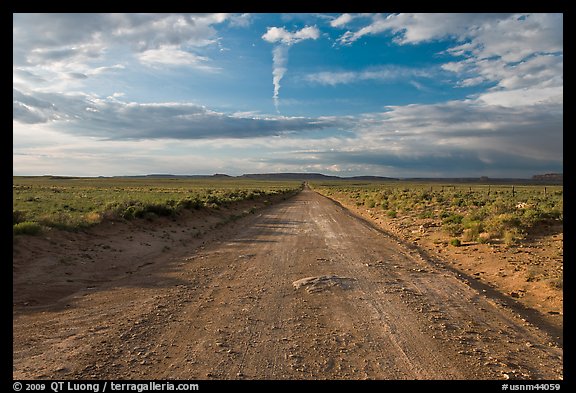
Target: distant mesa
{"points": [[549, 177], [310, 176]]}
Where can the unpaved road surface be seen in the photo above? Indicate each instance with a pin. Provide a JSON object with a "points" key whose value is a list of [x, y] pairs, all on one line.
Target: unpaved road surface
{"points": [[300, 290]]}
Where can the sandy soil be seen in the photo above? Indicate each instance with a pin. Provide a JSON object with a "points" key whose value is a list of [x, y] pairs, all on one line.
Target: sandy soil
{"points": [[302, 289]]}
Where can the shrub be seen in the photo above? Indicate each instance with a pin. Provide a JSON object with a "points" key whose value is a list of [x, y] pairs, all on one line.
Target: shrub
{"points": [[511, 236], [555, 283], [455, 242], [445, 214], [458, 202], [453, 219], [159, 209], [498, 224], [18, 216], [499, 206], [27, 228], [149, 216], [472, 227], [189, 203], [426, 214], [483, 238], [453, 229], [93, 218], [392, 213], [470, 234], [61, 220], [132, 211]]}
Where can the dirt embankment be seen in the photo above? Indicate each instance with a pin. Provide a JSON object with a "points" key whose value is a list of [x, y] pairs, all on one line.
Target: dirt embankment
{"points": [[50, 267], [302, 289]]}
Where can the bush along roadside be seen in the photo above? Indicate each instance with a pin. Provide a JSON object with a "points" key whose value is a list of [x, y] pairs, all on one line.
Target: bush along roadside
{"points": [[466, 213], [138, 209]]}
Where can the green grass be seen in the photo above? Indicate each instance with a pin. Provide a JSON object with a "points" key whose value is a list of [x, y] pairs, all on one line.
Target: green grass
{"points": [[26, 228], [474, 212], [72, 203]]}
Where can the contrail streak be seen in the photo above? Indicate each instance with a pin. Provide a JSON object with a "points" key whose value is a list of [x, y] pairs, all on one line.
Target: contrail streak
{"points": [[280, 60]]}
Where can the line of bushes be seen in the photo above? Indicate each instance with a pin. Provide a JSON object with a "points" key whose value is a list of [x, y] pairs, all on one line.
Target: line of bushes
{"points": [[470, 216], [137, 209]]}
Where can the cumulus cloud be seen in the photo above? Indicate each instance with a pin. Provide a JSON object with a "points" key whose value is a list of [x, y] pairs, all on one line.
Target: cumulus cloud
{"points": [[383, 73], [415, 28], [242, 20], [511, 37], [455, 138], [518, 54], [283, 36], [111, 118], [340, 21], [59, 35], [284, 39], [172, 56], [65, 43]]}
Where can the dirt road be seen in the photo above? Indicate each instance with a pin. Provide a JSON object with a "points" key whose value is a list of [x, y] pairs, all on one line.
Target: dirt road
{"points": [[300, 290]]}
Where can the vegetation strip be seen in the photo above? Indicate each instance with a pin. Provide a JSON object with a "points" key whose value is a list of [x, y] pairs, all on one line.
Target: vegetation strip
{"points": [[75, 203], [478, 213]]}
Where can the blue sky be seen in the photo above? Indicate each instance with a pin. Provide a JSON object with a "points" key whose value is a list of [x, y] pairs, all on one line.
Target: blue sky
{"points": [[401, 95]]}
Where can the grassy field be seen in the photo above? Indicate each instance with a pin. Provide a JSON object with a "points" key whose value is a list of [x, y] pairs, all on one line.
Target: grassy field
{"points": [[72, 203], [467, 212]]}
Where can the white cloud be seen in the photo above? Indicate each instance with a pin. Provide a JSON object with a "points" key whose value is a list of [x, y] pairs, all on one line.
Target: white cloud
{"points": [[384, 73], [277, 34], [153, 31], [283, 36], [524, 97], [457, 138], [242, 20], [111, 118], [519, 54], [46, 37], [512, 37], [59, 47], [172, 56], [101, 70], [415, 28], [41, 150], [341, 21]]}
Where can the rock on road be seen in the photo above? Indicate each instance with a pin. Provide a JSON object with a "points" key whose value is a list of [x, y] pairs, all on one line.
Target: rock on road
{"points": [[300, 290]]}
